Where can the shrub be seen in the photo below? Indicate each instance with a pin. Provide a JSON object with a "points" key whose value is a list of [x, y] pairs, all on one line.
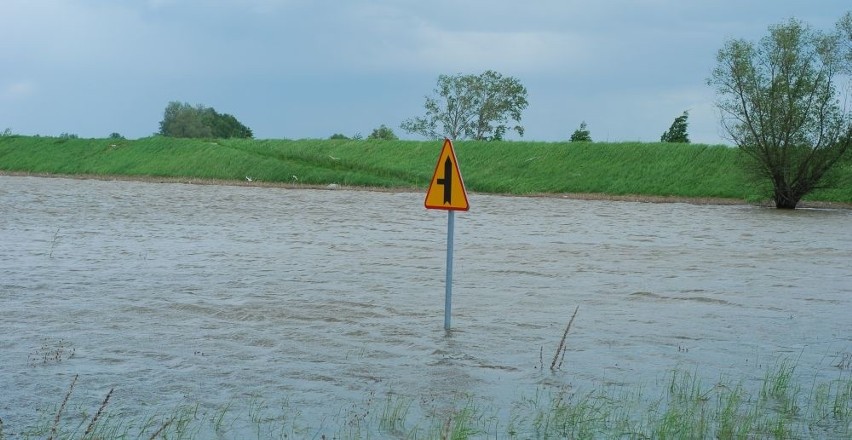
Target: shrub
{"points": [[383, 133], [677, 132], [581, 134]]}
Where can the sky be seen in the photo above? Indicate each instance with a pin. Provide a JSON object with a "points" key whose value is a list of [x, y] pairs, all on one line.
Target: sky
{"points": [[300, 69]]}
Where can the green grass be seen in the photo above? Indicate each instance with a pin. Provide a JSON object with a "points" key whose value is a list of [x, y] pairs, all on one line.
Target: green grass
{"points": [[521, 168], [776, 407]]}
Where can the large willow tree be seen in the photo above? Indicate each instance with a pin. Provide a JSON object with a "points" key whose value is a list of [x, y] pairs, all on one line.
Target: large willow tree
{"points": [[780, 104]]}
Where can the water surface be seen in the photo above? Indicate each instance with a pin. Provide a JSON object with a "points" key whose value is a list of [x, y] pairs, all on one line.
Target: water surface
{"points": [[176, 293]]}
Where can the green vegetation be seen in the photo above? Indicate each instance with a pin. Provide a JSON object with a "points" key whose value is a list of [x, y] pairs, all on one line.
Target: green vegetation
{"points": [[581, 134], [185, 121], [522, 168], [474, 107], [384, 133], [781, 101], [776, 407], [677, 132]]}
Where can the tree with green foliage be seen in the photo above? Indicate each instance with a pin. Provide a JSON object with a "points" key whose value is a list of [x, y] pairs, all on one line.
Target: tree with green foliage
{"points": [[581, 134], [383, 133], [780, 105], [677, 132], [471, 107], [844, 28], [184, 120], [339, 136], [227, 126]]}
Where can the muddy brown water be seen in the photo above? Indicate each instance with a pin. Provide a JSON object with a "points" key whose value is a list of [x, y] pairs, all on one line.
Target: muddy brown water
{"points": [[174, 293]]}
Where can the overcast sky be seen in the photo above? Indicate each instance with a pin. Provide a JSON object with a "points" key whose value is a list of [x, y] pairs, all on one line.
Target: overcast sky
{"points": [[308, 69]]}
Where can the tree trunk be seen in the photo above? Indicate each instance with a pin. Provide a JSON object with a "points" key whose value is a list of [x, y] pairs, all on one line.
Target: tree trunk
{"points": [[785, 205], [786, 199]]}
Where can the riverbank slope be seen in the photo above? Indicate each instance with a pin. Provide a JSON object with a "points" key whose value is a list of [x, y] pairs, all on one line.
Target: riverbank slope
{"points": [[624, 171]]}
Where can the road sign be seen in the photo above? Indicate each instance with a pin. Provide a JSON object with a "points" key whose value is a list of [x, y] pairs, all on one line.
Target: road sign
{"points": [[446, 191]]}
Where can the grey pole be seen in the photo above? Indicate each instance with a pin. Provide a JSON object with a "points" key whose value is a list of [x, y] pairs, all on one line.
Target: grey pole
{"points": [[448, 299]]}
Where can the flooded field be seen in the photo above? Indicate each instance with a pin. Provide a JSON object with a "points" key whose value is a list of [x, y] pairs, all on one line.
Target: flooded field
{"points": [[175, 294]]}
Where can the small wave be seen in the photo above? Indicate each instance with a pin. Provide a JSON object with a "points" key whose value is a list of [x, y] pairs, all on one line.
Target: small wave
{"points": [[701, 299], [704, 299], [651, 295]]}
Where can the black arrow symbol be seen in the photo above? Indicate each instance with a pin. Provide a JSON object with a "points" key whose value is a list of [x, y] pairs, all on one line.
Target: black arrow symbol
{"points": [[447, 180]]}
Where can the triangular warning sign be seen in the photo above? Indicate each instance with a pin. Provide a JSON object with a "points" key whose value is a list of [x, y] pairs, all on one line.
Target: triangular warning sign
{"points": [[446, 191]]}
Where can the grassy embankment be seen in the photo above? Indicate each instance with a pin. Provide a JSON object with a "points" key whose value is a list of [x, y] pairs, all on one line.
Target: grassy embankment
{"points": [[521, 168]]}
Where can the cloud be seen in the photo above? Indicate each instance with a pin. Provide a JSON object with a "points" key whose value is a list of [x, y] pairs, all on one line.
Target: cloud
{"points": [[157, 4], [392, 37], [98, 37], [522, 51], [19, 89], [627, 67], [225, 6]]}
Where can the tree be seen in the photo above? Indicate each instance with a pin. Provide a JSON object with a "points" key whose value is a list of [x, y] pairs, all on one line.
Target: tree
{"points": [[844, 27], [780, 106], [471, 106], [186, 121], [227, 126], [383, 133], [581, 134], [339, 136], [677, 132], [183, 120]]}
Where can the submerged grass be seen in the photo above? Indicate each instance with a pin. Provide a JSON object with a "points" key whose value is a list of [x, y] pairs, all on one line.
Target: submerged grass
{"points": [[775, 408], [522, 168]]}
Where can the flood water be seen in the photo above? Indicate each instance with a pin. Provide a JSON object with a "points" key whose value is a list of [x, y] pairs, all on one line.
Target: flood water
{"points": [[178, 293]]}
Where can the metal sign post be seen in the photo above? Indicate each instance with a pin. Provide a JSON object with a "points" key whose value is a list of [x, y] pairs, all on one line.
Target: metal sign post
{"points": [[446, 191], [448, 296]]}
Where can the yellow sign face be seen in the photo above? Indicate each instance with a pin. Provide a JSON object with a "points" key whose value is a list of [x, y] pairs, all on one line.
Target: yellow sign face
{"points": [[446, 191]]}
